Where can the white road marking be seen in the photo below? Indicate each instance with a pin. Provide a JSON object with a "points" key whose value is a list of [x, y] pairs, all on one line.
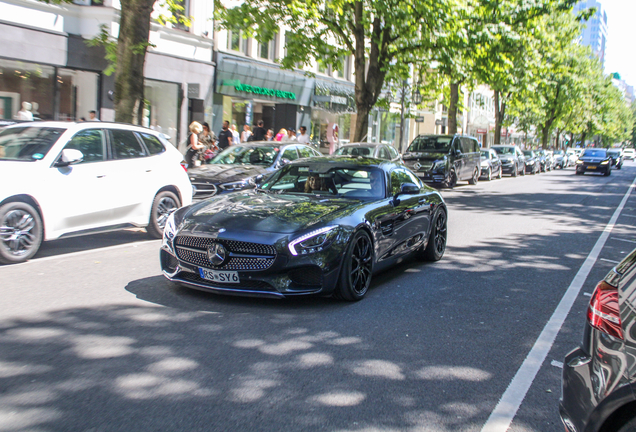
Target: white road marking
{"points": [[587, 294], [505, 411], [610, 261], [86, 252], [557, 364], [623, 240], [629, 216]]}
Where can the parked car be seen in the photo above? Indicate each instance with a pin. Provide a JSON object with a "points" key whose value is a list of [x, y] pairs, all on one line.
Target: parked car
{"points": [[594, 160], [490, 164], [617, 157], [444, 159], [545, 160], [376, 150], [513, 161], [317, 226], [599, 377], [66, 179], [242, 166], [629, 154], [573, 156], [561, 159], [533, 162]]}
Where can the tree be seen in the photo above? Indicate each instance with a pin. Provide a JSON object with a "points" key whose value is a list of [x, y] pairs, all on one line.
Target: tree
{"points": [[384, 37]]}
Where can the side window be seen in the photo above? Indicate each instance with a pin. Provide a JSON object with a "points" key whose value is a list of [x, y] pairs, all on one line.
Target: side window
{"points": [[414, 179], [316, 152], [384, 154], [90, 142], [152, 143], [394, 152], [290, 153], [398, 177], [467, 145], [125, 145], [305, 152], [457, 144], [475, 145]]}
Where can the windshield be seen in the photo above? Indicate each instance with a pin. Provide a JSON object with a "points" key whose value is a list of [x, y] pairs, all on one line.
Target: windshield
{"points": [[27, 143], [355, 151], [252, 155], [484, 154], [614, 152], [504, 150], [359, 183], [594, 153], [430, 144]]}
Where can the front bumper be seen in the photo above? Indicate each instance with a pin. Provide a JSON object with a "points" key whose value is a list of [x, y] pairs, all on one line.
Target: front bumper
{"points": [[592, 167], [268, 271], [508, 168]]}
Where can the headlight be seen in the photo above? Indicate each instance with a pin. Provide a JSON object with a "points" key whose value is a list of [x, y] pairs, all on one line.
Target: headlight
{"points": [[314, 241], [605, 162], [530, 162], [579, 162], [169, 231], [234, 186]]}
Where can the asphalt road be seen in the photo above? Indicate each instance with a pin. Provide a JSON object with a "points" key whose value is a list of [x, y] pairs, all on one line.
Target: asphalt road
{"points": [[93, 338]]}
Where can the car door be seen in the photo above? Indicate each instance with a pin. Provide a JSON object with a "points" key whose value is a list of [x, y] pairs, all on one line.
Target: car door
{"points": [[76, 198], [458, 159], [495, 161], [134, 177]]}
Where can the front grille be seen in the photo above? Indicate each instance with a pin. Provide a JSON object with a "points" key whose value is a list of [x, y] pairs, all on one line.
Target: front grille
{"points": [[205, 189], [168, 262], [306, 276], [193, 250], [244, 285]]}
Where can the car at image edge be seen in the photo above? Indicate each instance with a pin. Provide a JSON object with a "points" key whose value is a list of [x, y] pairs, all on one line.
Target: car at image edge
{"points": [[63, 179], [599, 377]]}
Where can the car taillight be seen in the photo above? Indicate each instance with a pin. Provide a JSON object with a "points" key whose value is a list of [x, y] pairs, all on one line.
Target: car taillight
{"points": [[603, 312], [184, 165]]}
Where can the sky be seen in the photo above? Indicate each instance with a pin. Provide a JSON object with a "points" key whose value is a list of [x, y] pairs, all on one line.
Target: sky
{"points": [[620, 55]]}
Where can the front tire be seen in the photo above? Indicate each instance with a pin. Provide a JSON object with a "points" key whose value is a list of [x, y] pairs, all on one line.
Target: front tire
{"points": [[515, 171], [165, 202], [21, 232], [436, 245], [475, 178], [489, 175], [357, 268], [452, 179]]}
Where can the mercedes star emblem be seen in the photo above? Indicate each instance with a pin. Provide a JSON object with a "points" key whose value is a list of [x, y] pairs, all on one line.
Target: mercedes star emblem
{"points": [[417, 165], [217, 254]]}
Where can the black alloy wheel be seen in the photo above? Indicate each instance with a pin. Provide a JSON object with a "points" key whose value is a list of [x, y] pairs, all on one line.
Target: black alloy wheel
{"points": [[436, 245], [475, 178], [500, 172], [515, 170], [357, 268], [608, 171], [21, 232], [164, 203], [489, 175], [523, 171], [452, 179]]}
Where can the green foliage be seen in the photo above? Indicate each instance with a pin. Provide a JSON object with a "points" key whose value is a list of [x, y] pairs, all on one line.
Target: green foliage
{"points": [[104, 39]]}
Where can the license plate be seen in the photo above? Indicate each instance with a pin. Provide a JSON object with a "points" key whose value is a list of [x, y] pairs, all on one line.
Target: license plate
{"points": [[219, 276], [591, 167]]}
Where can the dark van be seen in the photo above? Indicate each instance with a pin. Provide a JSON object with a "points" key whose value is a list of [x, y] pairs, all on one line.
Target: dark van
{"points": [[444, 159]]}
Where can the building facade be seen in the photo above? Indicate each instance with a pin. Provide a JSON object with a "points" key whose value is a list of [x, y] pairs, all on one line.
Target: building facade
{"points": [[594, 34], [49, 72]]}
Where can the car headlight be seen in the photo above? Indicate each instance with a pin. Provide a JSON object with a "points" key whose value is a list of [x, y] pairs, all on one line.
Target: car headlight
{"points": [[579, 162], [314, 241], [169, 231], [605, 162], [530, 162], [234, 186]]}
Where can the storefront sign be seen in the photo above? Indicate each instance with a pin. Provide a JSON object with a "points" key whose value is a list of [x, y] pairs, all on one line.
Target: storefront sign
{"points": [[239, 87], [482, 131], [193, 90], [419, 119]]}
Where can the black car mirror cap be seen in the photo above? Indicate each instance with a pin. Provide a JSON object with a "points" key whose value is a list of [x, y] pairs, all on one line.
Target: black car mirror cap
{"points": [[69, 157], [406, 189], [283, 162]]}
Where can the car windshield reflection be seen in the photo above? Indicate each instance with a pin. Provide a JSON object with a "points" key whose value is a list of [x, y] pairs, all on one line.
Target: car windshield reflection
{"points": [[27, 143], [250, 155], [430, 144]]}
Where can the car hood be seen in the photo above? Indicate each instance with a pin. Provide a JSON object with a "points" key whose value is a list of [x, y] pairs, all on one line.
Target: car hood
{"points": [[593, 159], [423, 156], [264, 212], [217, 173]]}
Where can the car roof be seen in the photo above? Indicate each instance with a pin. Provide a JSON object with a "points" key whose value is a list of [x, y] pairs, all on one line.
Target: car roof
{"points": [[81, 125], [330, 162], [362, 144]]}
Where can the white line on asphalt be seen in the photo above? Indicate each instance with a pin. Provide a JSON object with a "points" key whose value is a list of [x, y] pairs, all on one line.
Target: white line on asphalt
{"points": [[505, 411], [623, 240], [587, 294], [629, 216], [610, 261], [72, 254], [557, 364]]}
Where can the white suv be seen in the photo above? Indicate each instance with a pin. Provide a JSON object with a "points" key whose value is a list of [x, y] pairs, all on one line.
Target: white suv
{"points": [[629, 153], [63, 179]]}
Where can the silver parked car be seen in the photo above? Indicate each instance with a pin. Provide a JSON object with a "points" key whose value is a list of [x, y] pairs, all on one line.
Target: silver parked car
{"points": [[376, 150]]}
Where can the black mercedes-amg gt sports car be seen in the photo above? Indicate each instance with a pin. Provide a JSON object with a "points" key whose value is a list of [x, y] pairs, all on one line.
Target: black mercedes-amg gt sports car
{"points": [[316, 226]]}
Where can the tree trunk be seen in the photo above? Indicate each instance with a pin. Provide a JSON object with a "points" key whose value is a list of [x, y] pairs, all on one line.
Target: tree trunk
{"points": [[583, 135], [500, 112], [132, 43], [362, 124], [452, 108], [558, 139]]}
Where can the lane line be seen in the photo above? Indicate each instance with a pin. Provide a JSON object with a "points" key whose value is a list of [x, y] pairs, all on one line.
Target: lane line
{"points": [[505, 411], [86, 252]]}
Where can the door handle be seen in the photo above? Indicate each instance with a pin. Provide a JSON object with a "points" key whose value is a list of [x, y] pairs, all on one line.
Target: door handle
{"points": [[101, 176], [148, 170]]}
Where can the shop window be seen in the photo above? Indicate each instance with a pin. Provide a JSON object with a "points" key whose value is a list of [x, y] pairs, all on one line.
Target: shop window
{"points": [[237, 41], [27, 87], [78, 94], [161, 109]]}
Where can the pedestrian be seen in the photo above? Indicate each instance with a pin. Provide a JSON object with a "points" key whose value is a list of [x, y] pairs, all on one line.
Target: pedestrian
{"points": [[269, 136], [291, 135], [245, 135], [235, 134], [208, 139], [303, 137], [92, 116], [259, 132], [225, 136], [194, 146], [282, 133]]}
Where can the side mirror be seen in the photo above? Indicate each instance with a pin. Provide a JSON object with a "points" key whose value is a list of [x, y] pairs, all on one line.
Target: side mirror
{"points": [[258, 179], [283, 162], [406, 189], [69, 157]]}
